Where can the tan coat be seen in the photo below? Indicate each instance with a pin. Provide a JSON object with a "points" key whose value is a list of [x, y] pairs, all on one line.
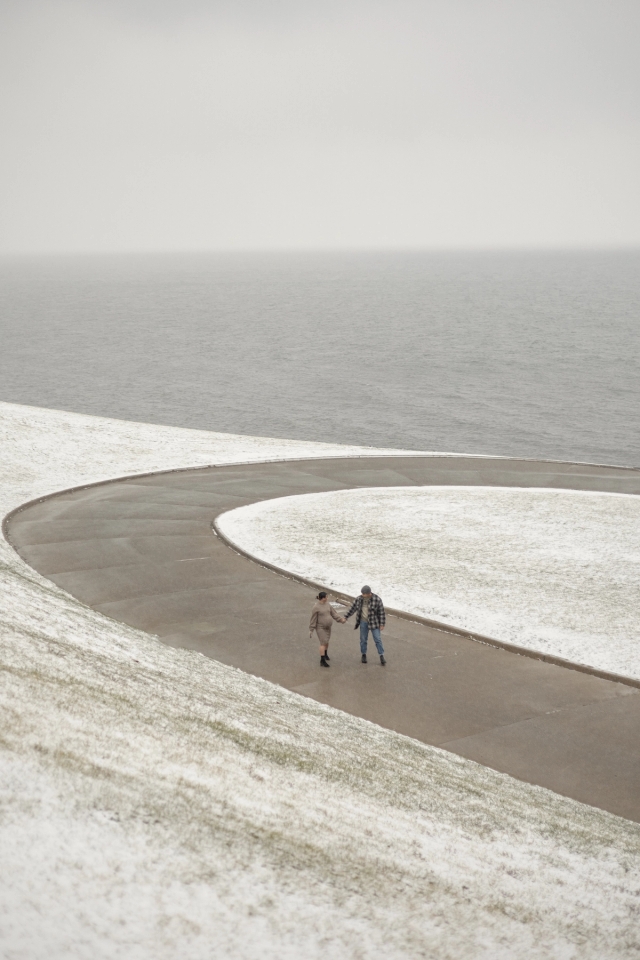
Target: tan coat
{"points": [[322, 616]]}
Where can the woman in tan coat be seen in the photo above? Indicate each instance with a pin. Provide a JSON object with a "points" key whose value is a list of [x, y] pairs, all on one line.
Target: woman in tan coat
{"points": [[322, 617]]}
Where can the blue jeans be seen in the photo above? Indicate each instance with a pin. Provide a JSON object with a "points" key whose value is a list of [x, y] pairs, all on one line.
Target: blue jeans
{"points": [[364, 636]]}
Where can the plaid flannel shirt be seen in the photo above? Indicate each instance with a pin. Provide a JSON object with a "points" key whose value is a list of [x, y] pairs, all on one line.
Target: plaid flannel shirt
{"points": [[377, 616]]}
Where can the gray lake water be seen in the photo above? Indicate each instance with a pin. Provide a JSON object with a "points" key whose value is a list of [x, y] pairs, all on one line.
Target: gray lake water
{"points": [[522, 354]]}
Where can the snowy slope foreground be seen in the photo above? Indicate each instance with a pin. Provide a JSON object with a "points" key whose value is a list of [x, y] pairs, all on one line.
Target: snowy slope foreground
{"points": [[555, 571], [156, 804]]}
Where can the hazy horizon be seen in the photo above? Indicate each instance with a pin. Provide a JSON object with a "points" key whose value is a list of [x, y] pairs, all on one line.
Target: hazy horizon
{"points": [[516, 354], [275, 251], [288, 125]]}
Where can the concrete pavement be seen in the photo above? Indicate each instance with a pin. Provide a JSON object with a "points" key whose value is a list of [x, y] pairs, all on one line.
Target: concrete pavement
{"points": [[142, 551]]}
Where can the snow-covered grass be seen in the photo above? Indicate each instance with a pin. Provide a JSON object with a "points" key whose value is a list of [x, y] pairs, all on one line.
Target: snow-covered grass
{"points": [[156, 804], [555, 571]]}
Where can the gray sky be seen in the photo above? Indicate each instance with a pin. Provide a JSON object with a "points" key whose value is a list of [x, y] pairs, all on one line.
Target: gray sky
{"points": [[244, 124]]}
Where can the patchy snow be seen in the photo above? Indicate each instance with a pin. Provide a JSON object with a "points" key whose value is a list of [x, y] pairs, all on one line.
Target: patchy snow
{"points": [[552, 570], [156, 804], [46, 449]]}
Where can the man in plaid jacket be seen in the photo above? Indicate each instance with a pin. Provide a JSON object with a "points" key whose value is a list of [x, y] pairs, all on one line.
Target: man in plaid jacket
{"points": [[370, 615]]}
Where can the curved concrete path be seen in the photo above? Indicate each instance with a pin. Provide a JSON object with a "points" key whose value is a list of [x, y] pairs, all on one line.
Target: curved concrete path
{"points": [[141, 550]]}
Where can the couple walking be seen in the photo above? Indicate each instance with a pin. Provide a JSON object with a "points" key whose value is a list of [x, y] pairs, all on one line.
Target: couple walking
{"points": [[370, 615]]}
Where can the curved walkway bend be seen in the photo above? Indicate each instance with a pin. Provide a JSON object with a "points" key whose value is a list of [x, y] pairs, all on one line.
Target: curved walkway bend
{"points": [[141, 550]]}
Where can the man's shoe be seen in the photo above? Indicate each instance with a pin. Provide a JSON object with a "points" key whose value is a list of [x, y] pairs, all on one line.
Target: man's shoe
{"points": [[364, 658], [383, 661], [323, 662]]}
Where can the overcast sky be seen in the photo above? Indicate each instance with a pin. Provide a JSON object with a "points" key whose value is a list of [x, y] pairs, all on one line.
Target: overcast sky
{"points": [[249, 124]]}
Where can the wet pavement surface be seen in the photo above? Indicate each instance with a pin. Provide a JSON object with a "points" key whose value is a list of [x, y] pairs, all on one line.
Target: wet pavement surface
{"points": [[143, 552]]}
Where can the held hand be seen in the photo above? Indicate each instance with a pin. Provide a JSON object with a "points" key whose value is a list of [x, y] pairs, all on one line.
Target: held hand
{"points": [[343, 620]]}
